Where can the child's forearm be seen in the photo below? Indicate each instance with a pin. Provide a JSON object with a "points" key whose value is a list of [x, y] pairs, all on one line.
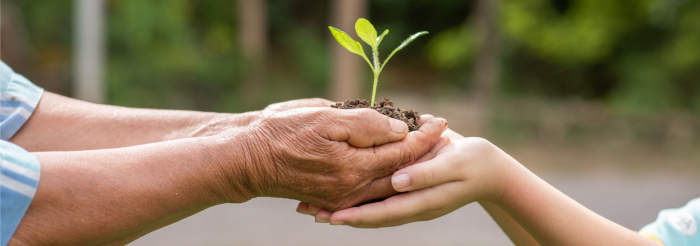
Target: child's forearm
{"points": [[515, 232], [510, 227], [552, 218]]}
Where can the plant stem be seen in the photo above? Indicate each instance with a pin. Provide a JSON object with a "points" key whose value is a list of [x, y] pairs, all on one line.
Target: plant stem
{"points": [[374, 88], [375, 72]]}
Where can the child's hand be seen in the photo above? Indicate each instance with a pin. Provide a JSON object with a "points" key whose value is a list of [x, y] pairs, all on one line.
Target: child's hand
{"points": [[528, 209], [468, 170]]}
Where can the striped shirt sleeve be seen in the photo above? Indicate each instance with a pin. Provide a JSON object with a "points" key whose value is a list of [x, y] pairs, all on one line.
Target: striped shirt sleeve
{"points": [[19, 179], [18, 98], [19, 169]]}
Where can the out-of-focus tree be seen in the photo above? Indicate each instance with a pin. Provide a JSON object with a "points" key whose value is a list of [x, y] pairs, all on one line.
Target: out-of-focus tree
{"points": [[89, 50], [346, 72], [487, 65], [253, 42], [36, 41], [173, 54]]}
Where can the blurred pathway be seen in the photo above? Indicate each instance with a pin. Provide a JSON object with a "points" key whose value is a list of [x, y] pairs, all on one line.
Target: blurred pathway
{"points": [[631, 200]]}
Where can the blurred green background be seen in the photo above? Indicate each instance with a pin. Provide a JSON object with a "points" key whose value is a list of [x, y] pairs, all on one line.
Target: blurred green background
{"points": [[569, 71]]}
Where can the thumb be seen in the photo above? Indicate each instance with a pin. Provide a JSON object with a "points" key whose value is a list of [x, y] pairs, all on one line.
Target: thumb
{"points": [[365, 128], [425, 174]]}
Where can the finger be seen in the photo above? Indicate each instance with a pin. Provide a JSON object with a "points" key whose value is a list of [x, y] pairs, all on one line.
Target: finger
{"points": [[323, 216], [425, 118], [454, 136], [389, 212], [393, 156], [303, 208], [430, 173], [404, 208], [313, 209], [365, 128], [444, 141]]}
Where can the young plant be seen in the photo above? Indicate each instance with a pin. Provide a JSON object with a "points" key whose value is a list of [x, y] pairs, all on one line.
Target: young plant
{"points": [[365, 30]]}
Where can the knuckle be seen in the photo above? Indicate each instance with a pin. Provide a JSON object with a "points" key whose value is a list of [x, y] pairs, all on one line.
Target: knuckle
{"points": [[410, 153], [348, 181], [402, 159]]}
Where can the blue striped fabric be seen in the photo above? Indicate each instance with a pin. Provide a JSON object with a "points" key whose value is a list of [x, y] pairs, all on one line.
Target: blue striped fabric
{"points": [[19, 170], [18, 98]]}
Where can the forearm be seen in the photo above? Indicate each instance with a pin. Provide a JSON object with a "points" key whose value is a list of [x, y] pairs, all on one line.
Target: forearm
{"points": [[114, 196], [515, 232], [64, 124], [552, 218], [510, 227]]}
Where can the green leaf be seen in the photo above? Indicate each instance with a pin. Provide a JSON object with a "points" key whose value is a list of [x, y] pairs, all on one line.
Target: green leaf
{"points": [[350, 44], [381, 37], [409, 40], [366, 32], [346, 41], [403, 44]]}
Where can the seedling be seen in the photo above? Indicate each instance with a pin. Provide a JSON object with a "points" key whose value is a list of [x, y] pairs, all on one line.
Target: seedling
{"points": [[365, 30]]}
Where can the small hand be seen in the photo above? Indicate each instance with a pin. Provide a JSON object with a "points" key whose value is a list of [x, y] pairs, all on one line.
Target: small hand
{"points": [[468, 170], [335, 158]]}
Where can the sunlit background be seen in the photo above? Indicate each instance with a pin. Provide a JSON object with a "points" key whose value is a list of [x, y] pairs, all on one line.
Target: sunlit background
{"points": [[601, 98]]}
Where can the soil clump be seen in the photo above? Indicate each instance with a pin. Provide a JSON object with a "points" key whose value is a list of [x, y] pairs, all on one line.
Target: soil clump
{"points": [[385, 107]]}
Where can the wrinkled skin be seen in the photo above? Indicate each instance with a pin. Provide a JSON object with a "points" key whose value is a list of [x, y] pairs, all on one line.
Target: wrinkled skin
{"points": [[331, 157]]}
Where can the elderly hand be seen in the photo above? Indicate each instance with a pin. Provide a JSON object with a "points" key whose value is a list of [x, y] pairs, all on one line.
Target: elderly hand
{"points": [[334, 158]]}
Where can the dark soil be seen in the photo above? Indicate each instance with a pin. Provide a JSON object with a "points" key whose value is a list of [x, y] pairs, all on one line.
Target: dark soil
{"points": [[385, 107]]}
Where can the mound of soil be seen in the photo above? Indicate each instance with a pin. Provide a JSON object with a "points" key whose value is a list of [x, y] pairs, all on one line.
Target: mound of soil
{"points": [[385, 107]]}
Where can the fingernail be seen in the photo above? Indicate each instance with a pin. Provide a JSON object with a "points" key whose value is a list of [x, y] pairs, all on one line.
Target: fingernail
{"points": [[398, 126], [337, 223], [445, 139], [322, 220], [400, 181]]}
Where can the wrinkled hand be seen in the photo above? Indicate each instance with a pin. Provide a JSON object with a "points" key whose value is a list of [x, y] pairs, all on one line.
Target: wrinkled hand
{"points": [[456, 176], [333, 158], [324, 214]]}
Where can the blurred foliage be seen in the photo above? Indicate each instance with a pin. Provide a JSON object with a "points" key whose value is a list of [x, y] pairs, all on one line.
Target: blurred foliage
{"points": [[172, 54], [636, 56], [452, 48], [641, 56]]}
